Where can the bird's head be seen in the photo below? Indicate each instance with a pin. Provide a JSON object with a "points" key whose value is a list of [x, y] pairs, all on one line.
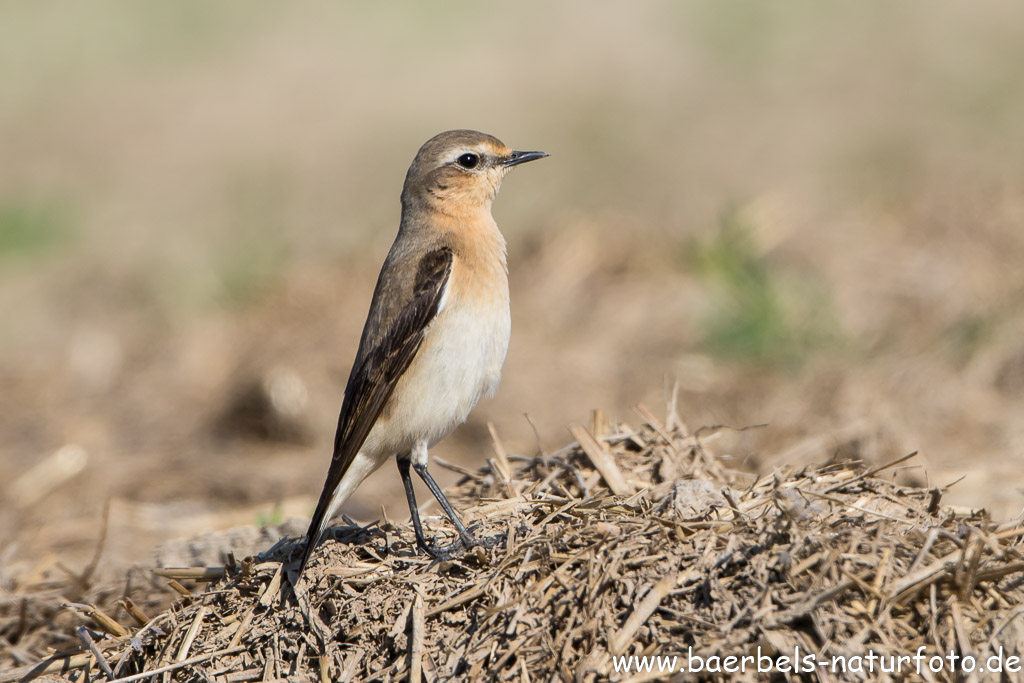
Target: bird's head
{"points": [[459, 172]]}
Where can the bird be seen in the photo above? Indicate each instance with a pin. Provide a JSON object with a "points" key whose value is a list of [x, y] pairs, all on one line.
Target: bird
{"points": [[437, 331]]}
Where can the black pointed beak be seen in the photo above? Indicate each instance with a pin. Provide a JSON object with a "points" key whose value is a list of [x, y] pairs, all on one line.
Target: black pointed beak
{"points": [[517, 158]]}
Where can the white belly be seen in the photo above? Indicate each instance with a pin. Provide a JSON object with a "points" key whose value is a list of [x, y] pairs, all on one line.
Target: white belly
{"points": [[460, 361]]}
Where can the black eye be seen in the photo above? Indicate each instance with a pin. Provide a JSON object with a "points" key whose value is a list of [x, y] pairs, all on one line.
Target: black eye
{"points": [[468, 160]]}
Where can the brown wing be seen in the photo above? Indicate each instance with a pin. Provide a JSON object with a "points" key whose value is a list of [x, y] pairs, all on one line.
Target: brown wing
{"points": [[375, 375]]}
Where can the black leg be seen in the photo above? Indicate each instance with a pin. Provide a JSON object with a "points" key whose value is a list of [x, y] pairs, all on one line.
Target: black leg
{"points": [[410, 496], [446, 552], [466, 539]]}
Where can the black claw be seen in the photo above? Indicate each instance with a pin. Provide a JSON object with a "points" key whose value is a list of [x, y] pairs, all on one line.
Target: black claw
{"points": [[488, 541], [482, 541], [459, 547], [443, 553]]}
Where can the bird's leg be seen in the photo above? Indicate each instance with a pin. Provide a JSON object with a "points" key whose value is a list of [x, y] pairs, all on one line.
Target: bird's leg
{"points": [[437, 552], [410, 496], [466, 538], [418, 459]]}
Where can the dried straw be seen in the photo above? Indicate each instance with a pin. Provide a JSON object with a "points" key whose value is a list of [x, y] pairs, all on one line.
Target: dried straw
{"points": [[628, 542]]}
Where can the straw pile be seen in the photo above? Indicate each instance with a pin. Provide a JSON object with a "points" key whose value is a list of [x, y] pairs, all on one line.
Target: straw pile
{"points": [[627, 542]]}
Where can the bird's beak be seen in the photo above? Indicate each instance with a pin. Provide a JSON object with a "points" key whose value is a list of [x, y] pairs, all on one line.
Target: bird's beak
{"points": [[517, 158]]}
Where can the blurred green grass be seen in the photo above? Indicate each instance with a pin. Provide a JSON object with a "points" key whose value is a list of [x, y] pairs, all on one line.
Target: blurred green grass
{"points": [[34, 227], [757, 312]]}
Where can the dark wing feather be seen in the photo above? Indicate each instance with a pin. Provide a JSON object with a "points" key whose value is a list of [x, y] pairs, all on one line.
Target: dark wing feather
{"points": [[373, 379]]}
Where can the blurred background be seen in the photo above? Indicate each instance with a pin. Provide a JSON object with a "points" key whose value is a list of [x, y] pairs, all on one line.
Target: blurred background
{"points": [[809, 215]]}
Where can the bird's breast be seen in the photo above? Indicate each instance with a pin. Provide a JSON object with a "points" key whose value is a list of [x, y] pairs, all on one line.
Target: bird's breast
{"points": [[472, 337], [459, 362]]}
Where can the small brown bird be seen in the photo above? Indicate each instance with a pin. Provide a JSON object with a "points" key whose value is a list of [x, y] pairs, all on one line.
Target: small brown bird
{"points": [[438, 328]]}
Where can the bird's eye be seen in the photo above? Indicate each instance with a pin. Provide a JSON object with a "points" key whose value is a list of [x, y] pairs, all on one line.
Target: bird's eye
{"points": [[468, 160]]}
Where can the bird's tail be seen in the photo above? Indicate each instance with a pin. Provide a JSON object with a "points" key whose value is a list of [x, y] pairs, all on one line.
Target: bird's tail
{"points": [[321, 518]]}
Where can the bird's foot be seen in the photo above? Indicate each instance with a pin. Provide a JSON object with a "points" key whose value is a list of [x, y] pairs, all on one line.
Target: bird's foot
{"points": [[443, 553], [486, 542], [458, 548]]}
